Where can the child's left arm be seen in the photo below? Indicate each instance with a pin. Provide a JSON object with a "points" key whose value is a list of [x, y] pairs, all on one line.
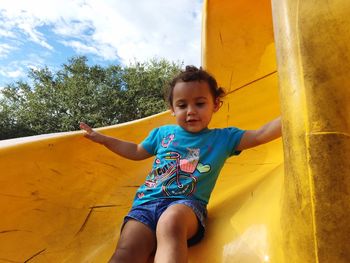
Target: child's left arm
{"points": [[270, 131]]}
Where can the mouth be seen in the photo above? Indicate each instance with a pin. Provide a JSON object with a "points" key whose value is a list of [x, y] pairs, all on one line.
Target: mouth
{"points": [[192, 121]]}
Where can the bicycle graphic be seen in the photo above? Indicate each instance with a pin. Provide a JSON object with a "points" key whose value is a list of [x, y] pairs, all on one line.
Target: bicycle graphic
{"points": [[184, 183]]}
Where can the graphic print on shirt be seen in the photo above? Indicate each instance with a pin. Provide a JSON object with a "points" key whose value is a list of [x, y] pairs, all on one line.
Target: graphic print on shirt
{"points": [[167, 140], [176, 173]]}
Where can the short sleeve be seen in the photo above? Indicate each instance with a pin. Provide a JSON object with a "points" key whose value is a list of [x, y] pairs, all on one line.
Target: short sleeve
{"points": [[151, 142], [234, 136]]}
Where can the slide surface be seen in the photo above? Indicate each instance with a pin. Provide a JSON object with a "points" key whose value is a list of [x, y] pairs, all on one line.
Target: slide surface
{"points": [[63, 197]]}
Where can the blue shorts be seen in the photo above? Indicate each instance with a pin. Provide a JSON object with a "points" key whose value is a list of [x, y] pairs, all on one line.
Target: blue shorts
{"points": [[150, 212]]}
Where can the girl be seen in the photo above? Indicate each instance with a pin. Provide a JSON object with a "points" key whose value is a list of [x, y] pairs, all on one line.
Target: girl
{"points": [[169, 210]]}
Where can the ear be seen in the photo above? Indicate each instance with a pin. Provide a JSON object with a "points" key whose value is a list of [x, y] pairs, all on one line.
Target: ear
{"points": [[217, 104]]}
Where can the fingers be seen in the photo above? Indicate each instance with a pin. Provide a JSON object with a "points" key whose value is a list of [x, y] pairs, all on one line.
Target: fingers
{"points": [[85, 127], [90, 133]]}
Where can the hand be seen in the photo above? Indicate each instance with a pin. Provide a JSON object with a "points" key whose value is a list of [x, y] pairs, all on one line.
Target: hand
{"points": [[126, 149], [91, 134]]}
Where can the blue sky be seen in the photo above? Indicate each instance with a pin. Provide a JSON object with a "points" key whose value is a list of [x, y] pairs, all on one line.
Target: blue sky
{"points": [[47, 32]]}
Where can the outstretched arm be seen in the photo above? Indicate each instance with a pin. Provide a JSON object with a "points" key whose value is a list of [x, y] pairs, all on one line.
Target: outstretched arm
{"points": [[270, 131], [126, 149]]}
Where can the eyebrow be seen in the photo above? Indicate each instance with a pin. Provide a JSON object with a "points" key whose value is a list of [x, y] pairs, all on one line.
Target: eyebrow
{"points": [[196, 98]]}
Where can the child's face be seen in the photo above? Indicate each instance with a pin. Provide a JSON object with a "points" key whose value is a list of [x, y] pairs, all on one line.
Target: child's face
{"points": [[193, 105]]}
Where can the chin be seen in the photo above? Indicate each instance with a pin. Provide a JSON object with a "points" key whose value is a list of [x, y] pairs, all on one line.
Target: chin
{"points": [[193, 129]]}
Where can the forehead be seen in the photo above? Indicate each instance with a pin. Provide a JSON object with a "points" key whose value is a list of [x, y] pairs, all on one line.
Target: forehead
{"points": [[192, 89]]}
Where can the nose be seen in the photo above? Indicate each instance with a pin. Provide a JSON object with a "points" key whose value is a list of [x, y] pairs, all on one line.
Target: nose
{"points": [[191, 110]]}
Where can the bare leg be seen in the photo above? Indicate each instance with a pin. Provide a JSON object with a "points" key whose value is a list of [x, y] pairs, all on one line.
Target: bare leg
{"points": [[136, 244], [177, 224]]}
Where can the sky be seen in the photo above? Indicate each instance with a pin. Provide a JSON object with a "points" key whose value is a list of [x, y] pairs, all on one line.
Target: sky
{"points": [[38, 33]]}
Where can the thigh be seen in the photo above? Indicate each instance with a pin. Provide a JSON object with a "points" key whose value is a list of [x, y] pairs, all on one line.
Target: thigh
{"points": [[178, 218], [136, 239]]}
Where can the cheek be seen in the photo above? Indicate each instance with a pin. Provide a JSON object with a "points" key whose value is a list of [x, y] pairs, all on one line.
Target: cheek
{"points": [[176, 112], [180, 114], [208, 114]]}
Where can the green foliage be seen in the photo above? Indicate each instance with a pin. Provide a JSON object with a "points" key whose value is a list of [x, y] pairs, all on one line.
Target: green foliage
{"points": [[58, 101]]}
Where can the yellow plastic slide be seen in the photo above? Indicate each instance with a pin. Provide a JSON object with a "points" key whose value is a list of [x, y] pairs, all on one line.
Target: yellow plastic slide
{"points": [[63, 198]]}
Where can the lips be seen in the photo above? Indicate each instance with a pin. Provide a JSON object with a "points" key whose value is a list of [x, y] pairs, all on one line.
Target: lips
{"points": [[192, 122]]}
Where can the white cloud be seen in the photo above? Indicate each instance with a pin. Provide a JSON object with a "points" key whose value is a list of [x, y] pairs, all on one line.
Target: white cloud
{"points": [[5, 49], [118, 29], [102, 50], [80, 47], [24, 22], [15, 74], [34, 35], [12, 73], [151, 28], [6, 33], [19, 69]]}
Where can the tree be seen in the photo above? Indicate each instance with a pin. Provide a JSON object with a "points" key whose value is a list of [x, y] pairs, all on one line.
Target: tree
{"points": [[12, 111], [58, 101], [144, 86]]}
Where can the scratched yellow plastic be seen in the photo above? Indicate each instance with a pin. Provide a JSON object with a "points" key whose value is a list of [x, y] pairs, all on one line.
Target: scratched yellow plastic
{"points": [[63, 198]]}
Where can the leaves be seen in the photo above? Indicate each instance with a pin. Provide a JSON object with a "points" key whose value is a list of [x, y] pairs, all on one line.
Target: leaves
{"points": [[58, 101]]}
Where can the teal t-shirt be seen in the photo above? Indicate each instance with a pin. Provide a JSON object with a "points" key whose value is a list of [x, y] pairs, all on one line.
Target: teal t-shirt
{"points": [[186, 165]]}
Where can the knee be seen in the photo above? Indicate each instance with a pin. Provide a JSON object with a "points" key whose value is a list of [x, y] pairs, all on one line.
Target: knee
{"points": [[171, 225], [125, 251], [122, 254]]}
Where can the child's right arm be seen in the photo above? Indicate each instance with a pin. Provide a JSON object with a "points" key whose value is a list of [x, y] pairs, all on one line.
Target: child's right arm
{"points": [[125, 149]]}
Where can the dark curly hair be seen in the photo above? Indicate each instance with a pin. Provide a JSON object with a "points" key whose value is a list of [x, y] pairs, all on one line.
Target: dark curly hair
{"points": [[192, 73]]}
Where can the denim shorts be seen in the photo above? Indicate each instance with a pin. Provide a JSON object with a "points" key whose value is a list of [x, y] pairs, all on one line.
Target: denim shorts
{"points": [[150, 212]]}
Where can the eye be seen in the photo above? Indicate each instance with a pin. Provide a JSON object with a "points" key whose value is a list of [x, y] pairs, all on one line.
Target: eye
{"points": [[182, 106], [200, 104]]}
